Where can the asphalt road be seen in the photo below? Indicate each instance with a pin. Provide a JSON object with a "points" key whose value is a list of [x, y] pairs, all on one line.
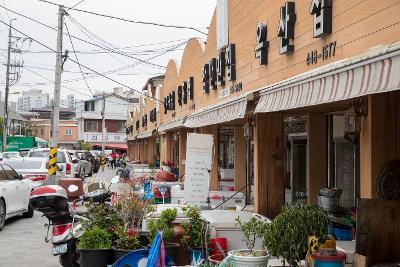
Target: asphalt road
{"points": [[22, 240]]}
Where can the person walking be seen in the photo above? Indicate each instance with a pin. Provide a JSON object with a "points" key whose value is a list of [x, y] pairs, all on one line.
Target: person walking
{"points": [[113, 156]]}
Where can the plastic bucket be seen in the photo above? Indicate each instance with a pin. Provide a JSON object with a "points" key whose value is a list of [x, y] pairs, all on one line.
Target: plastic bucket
{"points": [[96, 257], [329, 261], [223, 244], [195, 257]]}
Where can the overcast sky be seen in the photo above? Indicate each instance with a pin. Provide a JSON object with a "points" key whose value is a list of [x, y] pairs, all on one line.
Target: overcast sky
{"points": [[137, 40]]}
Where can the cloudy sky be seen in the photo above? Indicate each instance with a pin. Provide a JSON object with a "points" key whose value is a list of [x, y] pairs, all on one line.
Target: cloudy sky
{"points": [[154, 45]]}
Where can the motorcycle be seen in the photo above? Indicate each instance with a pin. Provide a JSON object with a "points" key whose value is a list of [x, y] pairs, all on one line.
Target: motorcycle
{"points": [[63, 220]]}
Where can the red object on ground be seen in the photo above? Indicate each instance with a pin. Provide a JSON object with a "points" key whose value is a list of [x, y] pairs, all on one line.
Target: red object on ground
{"points": [[216, 259], [163, 176], [222, 242]]}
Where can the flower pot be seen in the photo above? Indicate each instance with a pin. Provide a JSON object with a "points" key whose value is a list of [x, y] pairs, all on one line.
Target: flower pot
{"points": [[241, 258], [171, 249], [96, 257], [195, 257], [216, 259], [329, 261], [119, 253]]}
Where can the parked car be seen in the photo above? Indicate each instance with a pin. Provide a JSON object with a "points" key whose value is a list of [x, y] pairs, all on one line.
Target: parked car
{"points": [[24, 151], [10, 155], [83, 165], [64, 160], [14, 194], [35, 169]]}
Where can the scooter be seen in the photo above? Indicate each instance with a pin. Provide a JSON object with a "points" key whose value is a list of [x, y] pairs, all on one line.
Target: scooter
{"points": [[64, 221]]}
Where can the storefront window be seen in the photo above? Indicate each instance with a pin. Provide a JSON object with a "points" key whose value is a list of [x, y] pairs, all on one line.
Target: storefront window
{"points": [[344, 156]]}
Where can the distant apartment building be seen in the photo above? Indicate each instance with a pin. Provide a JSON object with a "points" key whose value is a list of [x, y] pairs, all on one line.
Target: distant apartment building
{"points": [[68, 102], [89, 115], [32, 99]]}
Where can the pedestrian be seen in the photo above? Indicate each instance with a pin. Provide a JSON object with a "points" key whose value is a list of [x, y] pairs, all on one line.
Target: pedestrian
{"points": [[113, 157]]}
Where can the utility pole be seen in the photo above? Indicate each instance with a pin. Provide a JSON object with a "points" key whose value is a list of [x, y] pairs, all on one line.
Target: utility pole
{"points": [[5, 117], [103, 133], [56, 100]]}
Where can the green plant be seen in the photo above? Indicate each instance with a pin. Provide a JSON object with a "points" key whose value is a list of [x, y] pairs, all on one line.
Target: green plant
{"points": [[192, 229], [127, 239], [101, 217], [287, 235], [133, 209], [165, 224], [251, 231], [87, 146], [95, 238]]}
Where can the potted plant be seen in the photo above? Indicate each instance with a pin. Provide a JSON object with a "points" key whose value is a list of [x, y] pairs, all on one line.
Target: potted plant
{"points": [[133, 210], [126, 242], [250, 256], [165, 224], [287, 235], [193, 232], [95, 247]]}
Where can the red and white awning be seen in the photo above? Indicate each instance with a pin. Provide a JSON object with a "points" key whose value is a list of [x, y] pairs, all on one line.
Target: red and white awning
{"points": [[375, 71], [229, 110]]}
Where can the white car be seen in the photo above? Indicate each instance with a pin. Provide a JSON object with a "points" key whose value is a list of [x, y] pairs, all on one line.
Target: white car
{"points": [[64, 160], [10, 155], [35, 169], [14, 194]]}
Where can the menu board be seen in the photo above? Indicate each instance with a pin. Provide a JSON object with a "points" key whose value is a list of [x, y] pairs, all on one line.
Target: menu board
{"points": [[198, 168]]}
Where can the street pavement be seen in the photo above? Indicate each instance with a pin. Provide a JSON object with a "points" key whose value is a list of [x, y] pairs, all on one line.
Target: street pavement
{"points": [[22, 240]]}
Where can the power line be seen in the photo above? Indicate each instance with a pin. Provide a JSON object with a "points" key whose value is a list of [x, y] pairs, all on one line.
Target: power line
{"points": [[131, 21], [76, 4], [76, 57], [85, 41], [88, 68]]}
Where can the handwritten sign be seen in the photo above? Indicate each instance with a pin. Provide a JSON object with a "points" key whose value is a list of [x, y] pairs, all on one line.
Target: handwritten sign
{"points": [[198, 167]]}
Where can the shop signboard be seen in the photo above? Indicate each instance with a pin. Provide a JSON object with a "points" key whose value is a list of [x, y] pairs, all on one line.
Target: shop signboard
{"points": [[198, 168]]}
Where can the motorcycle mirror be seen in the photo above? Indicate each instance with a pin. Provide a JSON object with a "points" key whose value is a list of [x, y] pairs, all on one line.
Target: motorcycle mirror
{"points": [[72, 188], [115, 179]]}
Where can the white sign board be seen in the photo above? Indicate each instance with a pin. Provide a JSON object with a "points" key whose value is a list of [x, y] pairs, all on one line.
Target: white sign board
{"points": [[97, 137], [198, 168], [222, 24]]}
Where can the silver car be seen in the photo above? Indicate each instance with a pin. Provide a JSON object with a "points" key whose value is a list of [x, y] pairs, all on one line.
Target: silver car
{"points": [[35, 169], [64, 160]]}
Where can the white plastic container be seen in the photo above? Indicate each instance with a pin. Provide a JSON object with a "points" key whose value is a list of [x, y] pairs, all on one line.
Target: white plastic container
{"points": [[223, 223]]}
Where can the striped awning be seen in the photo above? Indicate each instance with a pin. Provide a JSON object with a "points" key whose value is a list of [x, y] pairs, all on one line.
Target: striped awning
{"points": [[376, 71], [225, 111], [177, 123]]}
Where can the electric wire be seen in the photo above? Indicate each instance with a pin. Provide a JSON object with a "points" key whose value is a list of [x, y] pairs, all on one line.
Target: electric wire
{"points": [[88, 68], [129, 20], [77, 60], [85, 41]]}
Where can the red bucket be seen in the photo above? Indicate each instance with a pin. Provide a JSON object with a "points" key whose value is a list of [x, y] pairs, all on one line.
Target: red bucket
{"points": [[223, 244]]}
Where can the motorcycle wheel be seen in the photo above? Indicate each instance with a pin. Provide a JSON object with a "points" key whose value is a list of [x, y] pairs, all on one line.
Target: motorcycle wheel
{"points": [[70, 258]]}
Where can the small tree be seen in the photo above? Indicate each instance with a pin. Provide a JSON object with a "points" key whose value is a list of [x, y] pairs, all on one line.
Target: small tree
{"points": [[87, 146]]}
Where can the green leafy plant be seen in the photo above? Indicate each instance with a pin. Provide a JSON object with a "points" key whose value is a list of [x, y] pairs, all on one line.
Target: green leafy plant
{"points": [[95, 238], [287, 235], [251, 231], [192, 229], [101, 217], [87, 146], [165, 224], [127, 239]]}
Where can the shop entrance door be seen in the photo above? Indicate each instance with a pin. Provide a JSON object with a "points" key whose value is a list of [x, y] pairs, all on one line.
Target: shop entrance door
{"points": [[298, 169]]}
